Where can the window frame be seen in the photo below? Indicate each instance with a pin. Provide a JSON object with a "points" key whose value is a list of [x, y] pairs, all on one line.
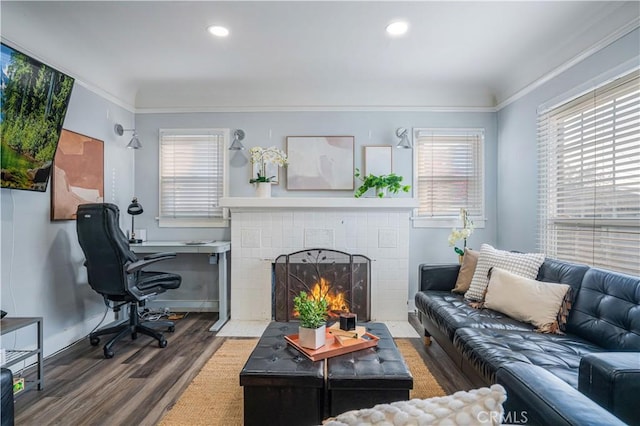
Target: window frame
{"points": [[193, 222], [453, 220]]}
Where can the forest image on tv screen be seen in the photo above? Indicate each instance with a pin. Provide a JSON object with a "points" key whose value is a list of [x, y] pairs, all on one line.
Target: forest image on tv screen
{"points": [[34, 103]]}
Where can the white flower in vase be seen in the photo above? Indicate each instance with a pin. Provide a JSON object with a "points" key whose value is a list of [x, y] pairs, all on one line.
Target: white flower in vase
{"points": [[262, 157], [461, 234]]}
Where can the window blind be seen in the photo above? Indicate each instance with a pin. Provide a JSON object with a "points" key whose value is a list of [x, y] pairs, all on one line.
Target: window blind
{"points": [[192, 177], [589, 177], [449, 172]]}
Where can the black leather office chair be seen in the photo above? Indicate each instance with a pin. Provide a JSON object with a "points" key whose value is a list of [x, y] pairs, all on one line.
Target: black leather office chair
{"points": [[116, 273]]}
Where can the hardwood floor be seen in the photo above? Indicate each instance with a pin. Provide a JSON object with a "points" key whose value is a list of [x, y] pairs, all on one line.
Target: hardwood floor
{"points": [[440, 365], [142, 381]]}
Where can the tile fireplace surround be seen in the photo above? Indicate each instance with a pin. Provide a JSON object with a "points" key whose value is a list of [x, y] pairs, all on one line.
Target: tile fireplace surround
{"points": [[264, 228]]}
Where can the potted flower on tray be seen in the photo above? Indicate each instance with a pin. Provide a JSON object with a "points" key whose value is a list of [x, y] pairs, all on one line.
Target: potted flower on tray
{"points": [[382, 184], [312, 313], [263, 156]]}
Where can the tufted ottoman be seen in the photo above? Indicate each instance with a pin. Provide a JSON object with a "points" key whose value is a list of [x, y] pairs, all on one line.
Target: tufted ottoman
{"points": [[376, 375], [281, 386]]}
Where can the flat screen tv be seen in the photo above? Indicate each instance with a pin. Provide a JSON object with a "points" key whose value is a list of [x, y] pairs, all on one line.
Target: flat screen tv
{"points": [[34, 103]]}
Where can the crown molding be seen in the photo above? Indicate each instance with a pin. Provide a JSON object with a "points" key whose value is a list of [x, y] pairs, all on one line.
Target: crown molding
{"points": [[619, 33], [107, 96], [307, 108]]}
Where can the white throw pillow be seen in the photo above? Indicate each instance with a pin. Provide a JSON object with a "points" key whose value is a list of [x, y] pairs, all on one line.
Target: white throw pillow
{"points": [[534, 302], [476, 407], [523, 264]]}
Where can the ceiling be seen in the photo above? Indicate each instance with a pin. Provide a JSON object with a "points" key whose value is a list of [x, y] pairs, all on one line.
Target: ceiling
{"points": [[157, 55]]}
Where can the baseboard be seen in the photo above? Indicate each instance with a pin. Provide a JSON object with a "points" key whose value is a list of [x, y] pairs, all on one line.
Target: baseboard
{"points": [[56, 342], [185, 305]]}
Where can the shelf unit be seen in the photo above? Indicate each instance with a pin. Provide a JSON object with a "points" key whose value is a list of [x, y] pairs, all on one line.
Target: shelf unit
{"points": [[13, 356]]}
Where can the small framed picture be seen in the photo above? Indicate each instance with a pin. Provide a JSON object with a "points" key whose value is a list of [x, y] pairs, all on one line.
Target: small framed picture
{"points": [[378, 160]]}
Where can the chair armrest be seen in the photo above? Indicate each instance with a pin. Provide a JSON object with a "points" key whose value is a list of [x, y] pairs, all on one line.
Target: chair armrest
{"points": [[160, 256], [545, 399], [612, 379], [438, 277], [148, 260]]}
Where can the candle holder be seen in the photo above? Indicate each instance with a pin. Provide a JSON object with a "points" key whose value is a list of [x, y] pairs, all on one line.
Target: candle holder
{"points": [[348, 321]]}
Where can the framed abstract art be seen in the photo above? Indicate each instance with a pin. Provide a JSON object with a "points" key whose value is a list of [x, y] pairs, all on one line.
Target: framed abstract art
{"points": [[78, 174], [320, 163]]}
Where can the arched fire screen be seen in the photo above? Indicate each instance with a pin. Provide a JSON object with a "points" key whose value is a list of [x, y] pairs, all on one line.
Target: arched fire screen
{"points": [[342, 278]]}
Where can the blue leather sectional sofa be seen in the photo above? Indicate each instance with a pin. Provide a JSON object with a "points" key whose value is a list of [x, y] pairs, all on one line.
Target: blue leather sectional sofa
{"points": [[588, 376]]}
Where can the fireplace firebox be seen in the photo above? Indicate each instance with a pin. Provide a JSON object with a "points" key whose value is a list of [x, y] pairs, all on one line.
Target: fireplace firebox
{"points": [[342, 278]]}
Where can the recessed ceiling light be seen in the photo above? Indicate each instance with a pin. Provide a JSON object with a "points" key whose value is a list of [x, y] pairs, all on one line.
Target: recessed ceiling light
{"points": [[218, 31], [397, 28]]}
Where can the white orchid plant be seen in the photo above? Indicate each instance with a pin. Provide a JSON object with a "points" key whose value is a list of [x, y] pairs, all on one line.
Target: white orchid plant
{"points": [[262, 157], [461, 234]]}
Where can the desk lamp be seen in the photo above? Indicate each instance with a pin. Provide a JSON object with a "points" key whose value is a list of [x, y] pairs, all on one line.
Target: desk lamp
{"points": [[134, 209]]}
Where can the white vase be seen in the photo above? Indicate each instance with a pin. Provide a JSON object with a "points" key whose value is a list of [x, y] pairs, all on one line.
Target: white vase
{"points": [[263, 189], [312, 338], [384, 191]]}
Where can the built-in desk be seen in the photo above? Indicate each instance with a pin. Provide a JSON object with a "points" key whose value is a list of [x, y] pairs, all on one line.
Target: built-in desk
{"points": [[218, 248]]}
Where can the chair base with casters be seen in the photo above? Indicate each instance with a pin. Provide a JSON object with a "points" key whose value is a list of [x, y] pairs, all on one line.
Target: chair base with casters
{"points": [[131, 327]]}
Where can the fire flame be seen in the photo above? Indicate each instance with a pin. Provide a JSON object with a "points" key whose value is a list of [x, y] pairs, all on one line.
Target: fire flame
{"points": [[336, 301]]}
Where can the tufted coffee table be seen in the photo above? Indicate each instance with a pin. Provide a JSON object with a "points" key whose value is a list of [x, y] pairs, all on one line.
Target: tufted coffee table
{"points": [[283, 387]]}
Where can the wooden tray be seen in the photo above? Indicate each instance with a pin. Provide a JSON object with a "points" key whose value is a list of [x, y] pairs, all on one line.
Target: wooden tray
{"points": [[335, 345]]}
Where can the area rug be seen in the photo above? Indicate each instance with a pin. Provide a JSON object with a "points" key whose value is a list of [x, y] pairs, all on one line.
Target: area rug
{"points": [[214, 397]]}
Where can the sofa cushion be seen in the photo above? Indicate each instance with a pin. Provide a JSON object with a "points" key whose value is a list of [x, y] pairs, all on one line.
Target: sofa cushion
{"points": [[488, 349], [438, 277], [450, 311], [524, 299], [524, 264], [606, 310], [559, 271]]}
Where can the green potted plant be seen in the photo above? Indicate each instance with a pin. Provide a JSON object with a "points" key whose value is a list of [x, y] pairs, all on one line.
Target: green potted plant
{"points": [[383, 183], [312, 313]]}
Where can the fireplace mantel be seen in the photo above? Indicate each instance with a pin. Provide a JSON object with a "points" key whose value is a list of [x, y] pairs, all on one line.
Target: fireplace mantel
{"points": [[318, 203]]}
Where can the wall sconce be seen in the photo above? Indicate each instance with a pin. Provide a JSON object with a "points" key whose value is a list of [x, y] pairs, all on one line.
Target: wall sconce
{"points": [[134, 143], [236, 145], [403, 134]]}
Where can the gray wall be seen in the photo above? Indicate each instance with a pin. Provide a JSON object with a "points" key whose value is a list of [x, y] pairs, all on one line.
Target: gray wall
{"points": [[42, 263], [517, 147], [271, 128]]}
